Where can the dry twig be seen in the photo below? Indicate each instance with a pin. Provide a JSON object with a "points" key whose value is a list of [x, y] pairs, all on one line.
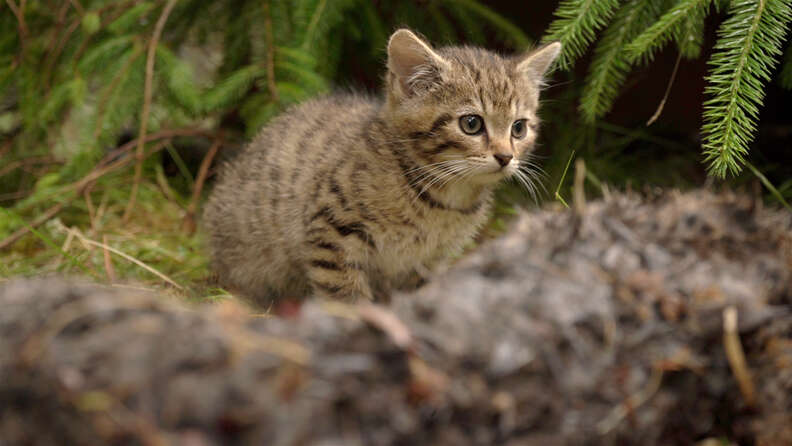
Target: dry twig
{"points": [[667, 92], [131, 259], [188, 224], [736, 356], [579, 197], [273, 89], [108, 262], [19, 13], [632, 402], [144, 114]]}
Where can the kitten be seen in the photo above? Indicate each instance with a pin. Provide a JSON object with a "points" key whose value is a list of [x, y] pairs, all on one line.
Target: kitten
{"points": [[344, 196]]}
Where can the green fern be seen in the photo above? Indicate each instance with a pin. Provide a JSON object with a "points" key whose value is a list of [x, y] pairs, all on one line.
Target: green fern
{"points": [[748, 47]]}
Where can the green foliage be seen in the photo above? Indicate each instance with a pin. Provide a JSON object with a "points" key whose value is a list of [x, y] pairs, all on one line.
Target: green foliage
{"points": [[72, 92], [576, 25], [682, 23], [610, 66], [747, 49]]}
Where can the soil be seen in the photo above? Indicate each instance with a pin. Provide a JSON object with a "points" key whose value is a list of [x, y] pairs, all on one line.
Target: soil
{"points": [[615, 325]]}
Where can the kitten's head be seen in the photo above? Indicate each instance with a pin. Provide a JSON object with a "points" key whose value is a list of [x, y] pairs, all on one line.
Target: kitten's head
{"points": [[470, 109]]}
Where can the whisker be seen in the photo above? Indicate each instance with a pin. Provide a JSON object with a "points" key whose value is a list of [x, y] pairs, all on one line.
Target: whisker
{"points": [[433, 172]]}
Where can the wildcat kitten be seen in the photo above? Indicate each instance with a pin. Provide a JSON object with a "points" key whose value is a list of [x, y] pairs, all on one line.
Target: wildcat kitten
{"points": [[346, 195]]}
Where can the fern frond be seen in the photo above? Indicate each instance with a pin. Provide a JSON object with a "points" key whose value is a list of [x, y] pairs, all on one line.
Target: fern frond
{"points": [[748, 47], [609, 67], [785, 77], [674, 24], [576, 25]]}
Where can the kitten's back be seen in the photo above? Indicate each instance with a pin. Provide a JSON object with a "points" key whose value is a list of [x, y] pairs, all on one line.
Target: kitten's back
{"points": [[256, 214]]}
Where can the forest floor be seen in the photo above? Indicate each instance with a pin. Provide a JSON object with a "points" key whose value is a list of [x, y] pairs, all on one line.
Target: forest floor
{"points": [[652, 320]]}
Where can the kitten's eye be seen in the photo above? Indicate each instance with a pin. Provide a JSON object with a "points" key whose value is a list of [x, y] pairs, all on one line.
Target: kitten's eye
{"points": [[471, 124], [519, 129]]}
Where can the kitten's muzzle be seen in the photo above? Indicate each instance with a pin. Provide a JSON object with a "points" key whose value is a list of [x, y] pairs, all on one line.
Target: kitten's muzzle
{"points": [[503, 158]]}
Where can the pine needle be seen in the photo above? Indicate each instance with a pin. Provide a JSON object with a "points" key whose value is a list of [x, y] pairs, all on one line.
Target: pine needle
{"points": [[773, 190], [557, 194]]}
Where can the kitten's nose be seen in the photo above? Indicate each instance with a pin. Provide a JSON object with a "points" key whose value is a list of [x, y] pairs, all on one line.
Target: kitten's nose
{"points": [[503, 158]]}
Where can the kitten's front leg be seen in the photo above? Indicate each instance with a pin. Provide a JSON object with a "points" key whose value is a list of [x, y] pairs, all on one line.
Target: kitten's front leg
{"points": [[334, 272]]}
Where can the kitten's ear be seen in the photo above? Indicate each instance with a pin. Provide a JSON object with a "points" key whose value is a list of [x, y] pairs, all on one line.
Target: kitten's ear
{"points": [[414, 63], [536, 63]]}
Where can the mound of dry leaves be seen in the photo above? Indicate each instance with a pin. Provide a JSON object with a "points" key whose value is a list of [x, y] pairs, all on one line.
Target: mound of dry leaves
{"points": [[662, 320]]}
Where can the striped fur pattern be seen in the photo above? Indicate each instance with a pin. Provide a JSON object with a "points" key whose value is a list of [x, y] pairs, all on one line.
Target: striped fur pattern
{"points": [[347, 196]]}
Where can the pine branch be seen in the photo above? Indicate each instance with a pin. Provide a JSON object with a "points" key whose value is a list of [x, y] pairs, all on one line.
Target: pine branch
{"points": [[609, 67], [576, 26], [130, 18], [108, 106], [748, 46], [310, 31], [672, 25], [690, 36], [231, 89], [100, 56]]}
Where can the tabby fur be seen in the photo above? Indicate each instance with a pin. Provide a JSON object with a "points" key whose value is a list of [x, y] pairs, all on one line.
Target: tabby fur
{"points": [[347, 196]]}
